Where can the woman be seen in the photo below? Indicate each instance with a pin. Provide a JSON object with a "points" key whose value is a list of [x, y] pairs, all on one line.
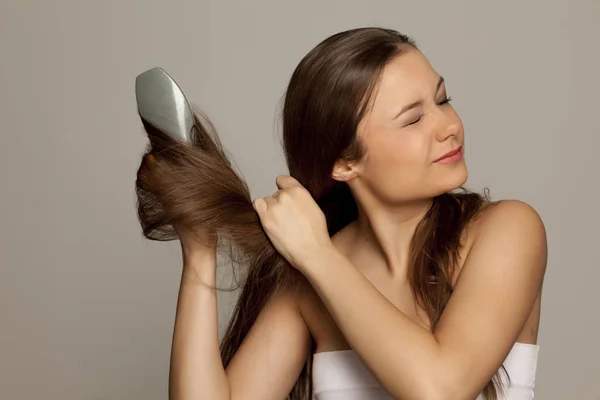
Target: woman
{"points": [[369, 276]]}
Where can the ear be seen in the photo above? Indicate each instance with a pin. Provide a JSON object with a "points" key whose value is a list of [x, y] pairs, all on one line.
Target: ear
{"points": [[344, 171]]}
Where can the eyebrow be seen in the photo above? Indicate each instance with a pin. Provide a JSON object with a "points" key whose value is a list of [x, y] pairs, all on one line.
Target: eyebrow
{"points": [[419, 103]]}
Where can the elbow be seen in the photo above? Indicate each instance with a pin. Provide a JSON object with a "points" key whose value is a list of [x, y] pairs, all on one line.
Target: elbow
{"points": [[440, 389], [443, 394], [449, 392], [433, 392], [436, 382], [439, 394]]}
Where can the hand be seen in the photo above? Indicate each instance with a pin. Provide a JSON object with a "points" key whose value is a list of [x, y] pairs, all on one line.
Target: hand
{"points": [[293, 221]]}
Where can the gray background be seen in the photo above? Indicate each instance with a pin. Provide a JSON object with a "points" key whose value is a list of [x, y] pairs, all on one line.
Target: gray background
{"points": [[87, 304]]}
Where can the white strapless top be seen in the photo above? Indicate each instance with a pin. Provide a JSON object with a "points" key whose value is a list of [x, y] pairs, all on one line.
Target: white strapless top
{"points": [[341, 375]]}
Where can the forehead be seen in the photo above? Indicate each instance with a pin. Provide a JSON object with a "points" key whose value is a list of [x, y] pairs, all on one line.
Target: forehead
{"points": [[406, 78]]}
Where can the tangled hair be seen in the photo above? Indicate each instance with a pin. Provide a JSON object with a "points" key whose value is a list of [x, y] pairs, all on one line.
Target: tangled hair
{"points": [[196, 185]]}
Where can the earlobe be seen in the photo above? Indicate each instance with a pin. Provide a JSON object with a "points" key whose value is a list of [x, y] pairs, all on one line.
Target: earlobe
{"points": [[343, 171]]}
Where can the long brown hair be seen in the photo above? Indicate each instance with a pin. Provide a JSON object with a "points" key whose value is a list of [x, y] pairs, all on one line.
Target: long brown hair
{"points": [[327, 96]]}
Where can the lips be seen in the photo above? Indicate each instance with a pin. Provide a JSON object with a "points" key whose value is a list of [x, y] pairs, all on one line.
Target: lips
{"points": [[450, 154]]}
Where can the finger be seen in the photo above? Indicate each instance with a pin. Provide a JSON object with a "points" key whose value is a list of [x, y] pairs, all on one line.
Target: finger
{"points": [[263, 204], [260, 205], [286, 182]]}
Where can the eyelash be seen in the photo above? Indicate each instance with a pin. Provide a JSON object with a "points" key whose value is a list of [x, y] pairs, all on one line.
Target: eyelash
{"points": [[446, 100]]}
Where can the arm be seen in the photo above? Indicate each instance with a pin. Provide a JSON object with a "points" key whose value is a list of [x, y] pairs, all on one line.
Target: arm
{"points": [[268, 362], [498, 285], [270, 359], [196, 369]]}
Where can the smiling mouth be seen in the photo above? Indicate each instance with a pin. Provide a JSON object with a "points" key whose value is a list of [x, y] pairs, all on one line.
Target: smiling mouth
{"points": [[451, 156]]}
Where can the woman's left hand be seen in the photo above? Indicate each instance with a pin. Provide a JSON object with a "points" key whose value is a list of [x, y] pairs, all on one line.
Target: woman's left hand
{"points": [[293, 221]]}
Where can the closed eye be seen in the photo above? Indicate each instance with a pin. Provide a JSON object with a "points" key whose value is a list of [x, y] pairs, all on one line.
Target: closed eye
{"points": [[415, 121], [446, 100]]}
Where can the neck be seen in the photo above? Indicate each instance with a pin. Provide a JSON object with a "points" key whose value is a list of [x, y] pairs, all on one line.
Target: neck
{"points": [[389, 230]]}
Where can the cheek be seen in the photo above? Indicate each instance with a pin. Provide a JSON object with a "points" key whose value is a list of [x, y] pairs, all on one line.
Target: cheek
{"points": [[400, 152], [397, 163]]}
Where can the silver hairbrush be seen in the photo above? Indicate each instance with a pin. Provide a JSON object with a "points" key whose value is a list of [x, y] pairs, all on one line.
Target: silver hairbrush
{"points": [[162, 103]]}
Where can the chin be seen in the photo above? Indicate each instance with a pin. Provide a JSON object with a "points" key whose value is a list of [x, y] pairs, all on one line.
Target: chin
{"points": [[453, 179]]}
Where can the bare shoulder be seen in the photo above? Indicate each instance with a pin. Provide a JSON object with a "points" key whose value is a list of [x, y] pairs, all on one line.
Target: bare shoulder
{"points": [[512, 225], [508, 228], [511, 217]]}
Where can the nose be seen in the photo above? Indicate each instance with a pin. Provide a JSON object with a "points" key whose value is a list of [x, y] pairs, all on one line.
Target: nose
{"points": [[448, 124]]}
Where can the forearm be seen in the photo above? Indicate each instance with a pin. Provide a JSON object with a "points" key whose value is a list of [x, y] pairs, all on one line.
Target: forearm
{"points": [[405, 357], [196, 368]]}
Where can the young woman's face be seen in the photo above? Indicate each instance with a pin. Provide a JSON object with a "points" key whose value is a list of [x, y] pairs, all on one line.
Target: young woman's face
{"points": [[409, 127]]}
